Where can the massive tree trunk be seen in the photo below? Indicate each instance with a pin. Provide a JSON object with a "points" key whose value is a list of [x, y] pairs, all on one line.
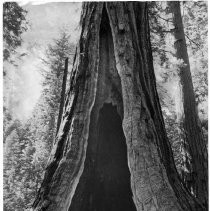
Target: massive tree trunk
{"points": [[111, 151], [196, 146]]}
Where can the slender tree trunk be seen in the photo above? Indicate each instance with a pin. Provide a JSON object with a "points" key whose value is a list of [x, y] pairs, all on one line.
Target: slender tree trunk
{"points": [[63, 91], [194, 137], [112, 152]]}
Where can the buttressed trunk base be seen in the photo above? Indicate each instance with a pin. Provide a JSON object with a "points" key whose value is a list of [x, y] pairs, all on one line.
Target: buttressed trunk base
{"points": [[111, 151]]}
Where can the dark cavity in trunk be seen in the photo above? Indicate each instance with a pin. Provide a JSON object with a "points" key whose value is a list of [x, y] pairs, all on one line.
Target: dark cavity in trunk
{"points": [[111, 190], [108, 186]]}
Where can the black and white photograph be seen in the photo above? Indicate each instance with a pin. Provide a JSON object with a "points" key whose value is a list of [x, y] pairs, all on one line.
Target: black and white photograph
{"points": [[105, 105]]}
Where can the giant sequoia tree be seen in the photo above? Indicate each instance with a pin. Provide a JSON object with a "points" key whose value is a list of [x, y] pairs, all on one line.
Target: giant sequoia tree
{"points": [[196, 146], [111, 151]]}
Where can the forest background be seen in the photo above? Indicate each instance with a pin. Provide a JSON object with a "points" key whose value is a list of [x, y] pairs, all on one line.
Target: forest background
{"points": [[32, 75]]}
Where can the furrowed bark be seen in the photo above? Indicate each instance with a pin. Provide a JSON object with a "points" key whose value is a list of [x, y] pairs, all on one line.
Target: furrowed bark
{"points": [[66, 162], [196, 146], [113, 75]]}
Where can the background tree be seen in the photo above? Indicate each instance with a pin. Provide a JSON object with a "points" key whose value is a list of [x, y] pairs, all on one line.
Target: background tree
{"points": [[19, 177], [195, 142], [56, 55], [27, 146], [167, 68], [14, 24], [195, 24]]}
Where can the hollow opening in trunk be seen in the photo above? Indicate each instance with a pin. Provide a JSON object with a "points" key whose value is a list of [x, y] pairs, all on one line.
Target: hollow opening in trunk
{"points": [[105, 182], [111, 190]]}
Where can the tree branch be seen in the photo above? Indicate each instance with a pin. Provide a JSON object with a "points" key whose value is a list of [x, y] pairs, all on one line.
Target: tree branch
{"points": [[167, 20], [192, 41]]}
